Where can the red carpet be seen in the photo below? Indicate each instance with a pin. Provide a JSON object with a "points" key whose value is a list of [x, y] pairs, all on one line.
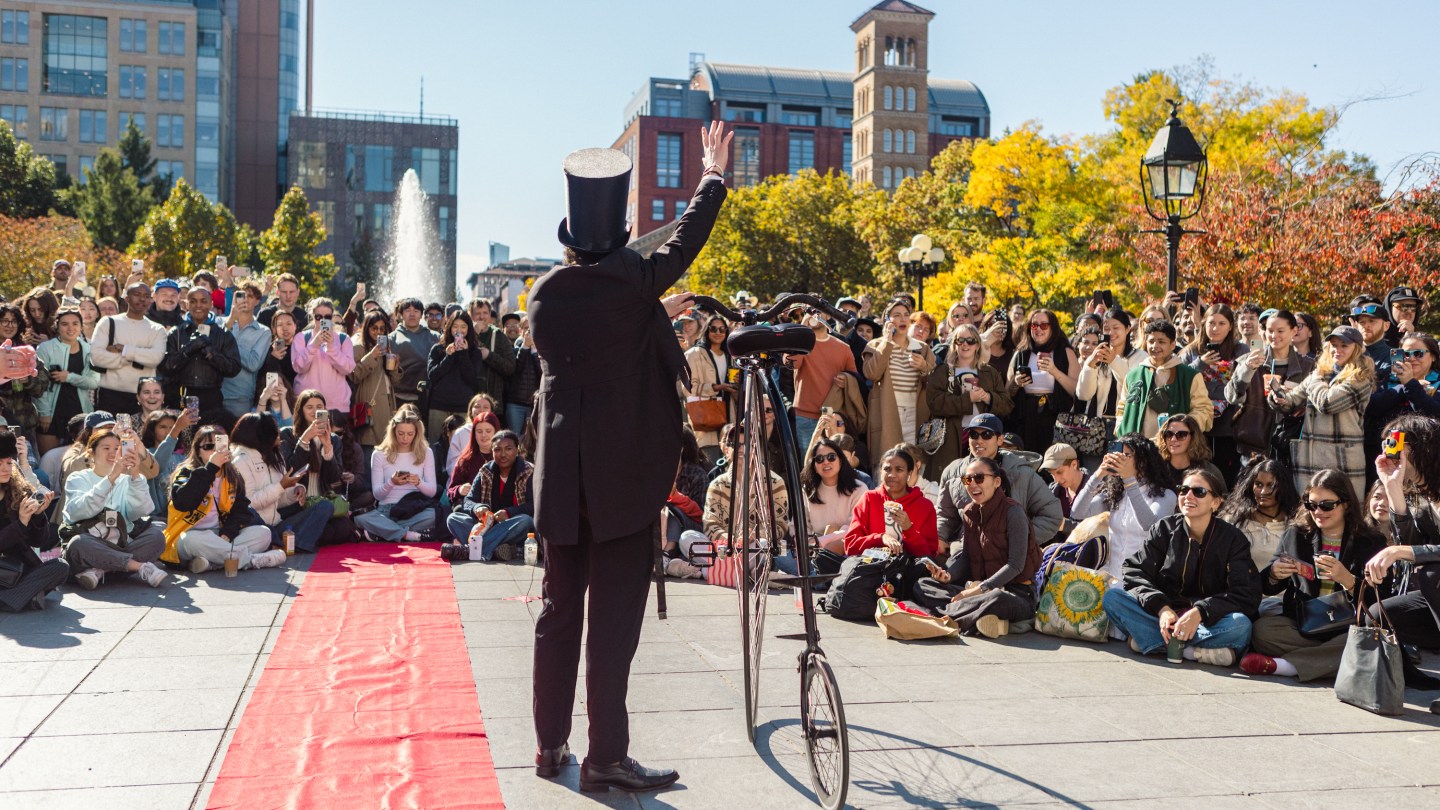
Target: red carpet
{"points": [[368, 700]]}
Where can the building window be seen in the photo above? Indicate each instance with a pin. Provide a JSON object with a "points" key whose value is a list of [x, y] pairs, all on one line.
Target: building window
{"points": [[802, 151], [132, 81], [171, 39], [380, 216], [54, 123], [125, 119], [885, 175], [92, 126], [15, 27], [207, 130], [889, 94], [359, 217], [667, 160], [657, 210], [426, 163], [62, 164], [668, 107], [380, 170], [747, 157], [170, 131], [326, 210], [310, 165], [170, 84], [800, 116], [444, 223], [680, 206], [15, 75], [18, 115], [957, 127], [847, 156], [844, 118], [909, 141], [132, 36], [888, 143], [87, 163], [207, 83], [749, 113], [910, 99], [74, 52]]}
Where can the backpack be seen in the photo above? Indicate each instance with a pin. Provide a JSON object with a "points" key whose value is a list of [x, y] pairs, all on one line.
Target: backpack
{"points": [[1090, 554], [862, 581]]}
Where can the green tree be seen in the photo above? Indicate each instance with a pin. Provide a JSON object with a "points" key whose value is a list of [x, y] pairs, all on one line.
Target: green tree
{"points": [[289, 244], [186, 232], [790, 233], [364, 261], [135, 155], [27, 180], [112, 202]]}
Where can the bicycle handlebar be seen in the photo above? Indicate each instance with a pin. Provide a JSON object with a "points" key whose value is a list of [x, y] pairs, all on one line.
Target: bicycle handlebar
{"points": [[750, 316]]}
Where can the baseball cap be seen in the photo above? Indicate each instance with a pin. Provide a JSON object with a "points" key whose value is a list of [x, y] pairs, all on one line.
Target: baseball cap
{"points": [[987, 421], [99, 419], [1057, 456], [167, 284], [1402, 294], [59, 262], [1348, 334]]}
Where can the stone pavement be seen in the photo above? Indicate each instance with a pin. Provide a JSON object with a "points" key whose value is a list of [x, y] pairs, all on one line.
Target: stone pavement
{"points": [[126, 698]]}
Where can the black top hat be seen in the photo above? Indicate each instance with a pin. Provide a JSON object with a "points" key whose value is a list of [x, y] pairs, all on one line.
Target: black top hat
{"points": [[597, 185]]}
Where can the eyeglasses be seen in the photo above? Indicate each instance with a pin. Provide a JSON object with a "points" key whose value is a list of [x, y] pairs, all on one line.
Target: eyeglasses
{"points": [[1321, 506], [1186, 489], [982, 434], [1371, 310], [1407, 307], [719, 329], [826, 458], [1414, 353], [1176, 434], [976, 478], [1040, 327], [966, 341]]}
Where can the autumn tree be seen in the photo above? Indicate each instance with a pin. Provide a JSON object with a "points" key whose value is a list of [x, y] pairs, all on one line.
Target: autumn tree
{"points": [[289, 245], [112, 202], [31, 245], [186, 232], [27, 180]]}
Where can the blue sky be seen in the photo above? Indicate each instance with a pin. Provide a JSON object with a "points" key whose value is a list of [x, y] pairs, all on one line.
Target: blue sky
{"points": [[532, 80]]}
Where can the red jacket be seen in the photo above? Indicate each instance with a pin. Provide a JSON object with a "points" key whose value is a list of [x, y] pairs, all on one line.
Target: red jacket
{"points": [[867, 528], [691, 509]]}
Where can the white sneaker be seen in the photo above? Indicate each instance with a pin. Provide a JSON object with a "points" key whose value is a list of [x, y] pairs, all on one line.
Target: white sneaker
{"points": [[992, 626], [90, 578], [199, 565], [682, 569], [152, 575], [1215, 656], [268, 559]]}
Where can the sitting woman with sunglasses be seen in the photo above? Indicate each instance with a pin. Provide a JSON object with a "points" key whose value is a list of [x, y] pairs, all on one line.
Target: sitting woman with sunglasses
{"points": [[1324, 552], [963, 387], [832, 491], [1192, 581], [1134, 486], [398, 468], [102, 505], [23, 528], [1184, 446], [210, 516], [997, 554]]}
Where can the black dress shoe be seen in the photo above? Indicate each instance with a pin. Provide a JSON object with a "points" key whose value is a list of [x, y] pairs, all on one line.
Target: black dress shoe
{"points": [[549, 760], [627, 774]]}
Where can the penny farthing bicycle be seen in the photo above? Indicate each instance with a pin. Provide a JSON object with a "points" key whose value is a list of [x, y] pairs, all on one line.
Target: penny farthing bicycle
{"points": [[758, 348]]}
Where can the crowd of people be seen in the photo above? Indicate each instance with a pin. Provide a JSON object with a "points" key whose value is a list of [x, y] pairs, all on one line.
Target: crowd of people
{"points": [[1246, 460]]}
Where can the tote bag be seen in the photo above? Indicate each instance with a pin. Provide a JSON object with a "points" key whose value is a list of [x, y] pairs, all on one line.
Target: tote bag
{"points": [[1371, 672], [907, 622]]}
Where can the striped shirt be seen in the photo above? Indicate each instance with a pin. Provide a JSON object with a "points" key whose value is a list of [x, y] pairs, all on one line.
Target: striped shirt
{"points": [[904, 378]]}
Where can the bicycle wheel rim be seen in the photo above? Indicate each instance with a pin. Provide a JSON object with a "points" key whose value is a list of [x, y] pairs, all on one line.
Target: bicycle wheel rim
{"points": [[757, 525], [827, 738]]}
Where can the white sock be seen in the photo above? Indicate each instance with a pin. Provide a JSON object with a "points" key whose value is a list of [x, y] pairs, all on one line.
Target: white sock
{"points": [[412, 536], [1283, 667], [1188, 653]]}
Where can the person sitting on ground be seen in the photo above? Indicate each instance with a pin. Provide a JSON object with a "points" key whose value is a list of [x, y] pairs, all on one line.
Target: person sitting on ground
{"points": [[1068, 477], [1262, 505], [850, 446], [210, 516], [102, 507], [502, 492], [832, 491], [160, 435], [23, 528], [1377, 509], [478, 451], [894, 504], [1134, 486], [149, 398], [917, 475], [480, 403], [991, 582], [275, 495], [717, 500], [398, 468], [1192, 581], [1329, 535], [1026, 486], [833, 424], [1182, 444]]}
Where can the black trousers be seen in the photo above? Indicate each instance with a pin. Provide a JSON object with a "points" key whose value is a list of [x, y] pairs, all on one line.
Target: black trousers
{"points": [[116, 402], [1417, 614], [617, 575]]}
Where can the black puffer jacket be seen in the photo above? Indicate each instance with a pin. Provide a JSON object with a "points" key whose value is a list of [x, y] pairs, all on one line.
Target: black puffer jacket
{"points": [[1217, 575], [520, 388], [193, 360]]}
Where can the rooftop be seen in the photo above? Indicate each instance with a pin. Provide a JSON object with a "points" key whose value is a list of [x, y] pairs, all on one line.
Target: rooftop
{"points": [[379, 117]]}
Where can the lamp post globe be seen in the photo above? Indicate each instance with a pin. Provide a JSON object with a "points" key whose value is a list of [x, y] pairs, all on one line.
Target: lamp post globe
{"points": [[1173, 176]]}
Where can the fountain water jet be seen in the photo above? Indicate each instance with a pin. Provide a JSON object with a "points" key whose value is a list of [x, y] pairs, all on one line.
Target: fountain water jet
{"points": [[415, 264]]}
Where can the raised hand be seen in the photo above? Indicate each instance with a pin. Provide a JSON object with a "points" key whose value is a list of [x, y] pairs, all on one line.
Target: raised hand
{"points": [[715, 145]]}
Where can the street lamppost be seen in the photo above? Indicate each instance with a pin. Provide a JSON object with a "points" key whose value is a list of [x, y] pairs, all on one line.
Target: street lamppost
{"points": [[1172, 181], [921, 260]]}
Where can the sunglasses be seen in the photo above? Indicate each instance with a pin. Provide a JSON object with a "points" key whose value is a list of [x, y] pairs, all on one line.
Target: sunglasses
{"points": [[208, 446], [826, 458], [975, 478], [324, 315], [1372, 310], [966, 341], [982, 434], [1040, 327], [1414, 353], [720, 329], [1407, 307], [1176, 434], [1186, 489], [1321, 506]]}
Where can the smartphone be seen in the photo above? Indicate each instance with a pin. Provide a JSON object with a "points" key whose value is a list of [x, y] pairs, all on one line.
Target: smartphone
{"points": [[277, 344], [383, 343], [137, 265], [272, 379], [826, 411], [298, 473], [1192, 297], [38, 495], [1108, 299], [324, 417], [79, 268], [1115, 447], [1212, 347], [327, 325], [222, 262], [222, 442], [1397, 356], [122, 422], [203, 329], [192, 404], [1305, 569]]}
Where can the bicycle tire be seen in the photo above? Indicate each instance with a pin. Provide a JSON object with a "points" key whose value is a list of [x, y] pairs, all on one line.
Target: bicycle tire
{"points": [[827, 737], [750, 491]]}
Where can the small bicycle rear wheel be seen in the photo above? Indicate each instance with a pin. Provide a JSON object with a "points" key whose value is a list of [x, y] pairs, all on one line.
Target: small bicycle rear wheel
{"points": [[827, 739]]}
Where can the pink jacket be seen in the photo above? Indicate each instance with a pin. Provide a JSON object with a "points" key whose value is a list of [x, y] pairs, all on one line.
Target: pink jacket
{"points": [[324, 370]]}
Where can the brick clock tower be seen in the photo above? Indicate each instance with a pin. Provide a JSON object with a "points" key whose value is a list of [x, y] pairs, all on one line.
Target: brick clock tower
{"points": [[890, 130]]}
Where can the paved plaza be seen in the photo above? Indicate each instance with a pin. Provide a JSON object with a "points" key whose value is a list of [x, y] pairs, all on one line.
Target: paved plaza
{"points": [[126, 698]]}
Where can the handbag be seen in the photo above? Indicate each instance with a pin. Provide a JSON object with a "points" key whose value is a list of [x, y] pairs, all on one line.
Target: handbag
{"points": [[1087, 434], [1070, 606], [706, 414], [1323, 617], [10, 572], [929, 436], [361, 413], [1371, 672], [907, 621], [342, 504]]}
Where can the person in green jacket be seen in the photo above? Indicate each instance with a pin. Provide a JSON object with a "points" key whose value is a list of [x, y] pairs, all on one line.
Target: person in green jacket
{"points": [[1161, 385]]}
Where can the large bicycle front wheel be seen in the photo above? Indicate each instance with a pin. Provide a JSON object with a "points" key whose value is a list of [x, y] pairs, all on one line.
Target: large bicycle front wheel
{"points": [[827, 739], [755, 530]]}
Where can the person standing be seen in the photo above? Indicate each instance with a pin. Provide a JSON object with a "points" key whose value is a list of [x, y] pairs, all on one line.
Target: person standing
{"points": [[287, 291], [411, 343], [72, 380], [322, 356], [496, 349], [199, 355], [815, 374], [253, 341], [126, 348], [606, 484]]}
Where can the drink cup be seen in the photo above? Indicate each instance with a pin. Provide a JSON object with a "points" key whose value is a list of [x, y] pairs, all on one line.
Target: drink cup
{"points": [[232, 564], [1174, 651]]}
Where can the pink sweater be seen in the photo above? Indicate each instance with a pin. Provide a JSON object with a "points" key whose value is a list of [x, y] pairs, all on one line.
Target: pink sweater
{"points": [[323, 370]]}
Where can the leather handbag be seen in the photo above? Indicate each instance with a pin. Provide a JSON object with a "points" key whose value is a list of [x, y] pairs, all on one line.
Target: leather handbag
{"points": [[929, 436], [10, 572], [1323, 617], [1371, 672], [1087, 434], [706, 414]]}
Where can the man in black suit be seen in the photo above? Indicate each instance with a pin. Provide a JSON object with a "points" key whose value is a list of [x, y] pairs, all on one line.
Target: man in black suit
{"points": [[610, 425]]}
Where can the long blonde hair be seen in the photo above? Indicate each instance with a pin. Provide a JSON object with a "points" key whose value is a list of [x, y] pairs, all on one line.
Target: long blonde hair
{"points": [[1325, 363], [952, 357], [390, 446]]}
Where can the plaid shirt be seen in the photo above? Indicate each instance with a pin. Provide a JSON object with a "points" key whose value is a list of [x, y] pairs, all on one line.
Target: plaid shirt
{"points": [[484, 489]]}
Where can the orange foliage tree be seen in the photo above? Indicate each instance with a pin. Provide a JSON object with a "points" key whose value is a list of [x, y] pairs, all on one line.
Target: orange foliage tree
{"points": [[29, 246]]}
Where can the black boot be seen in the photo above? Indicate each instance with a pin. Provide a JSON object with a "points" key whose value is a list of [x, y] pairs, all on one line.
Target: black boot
{"points": [[549, 760], [627, 774]]}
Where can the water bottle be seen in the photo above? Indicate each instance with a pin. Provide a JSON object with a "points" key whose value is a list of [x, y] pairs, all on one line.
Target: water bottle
{"points": [[532, 550], [287, 538]]}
